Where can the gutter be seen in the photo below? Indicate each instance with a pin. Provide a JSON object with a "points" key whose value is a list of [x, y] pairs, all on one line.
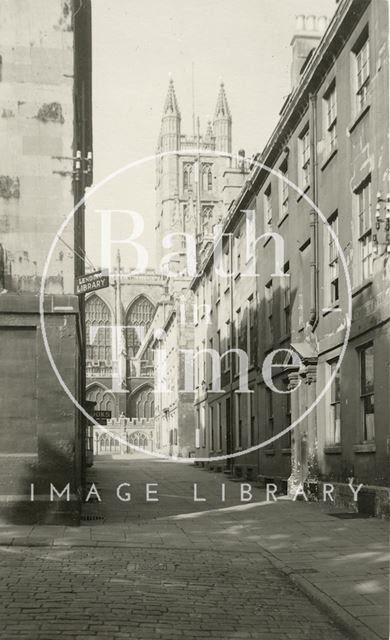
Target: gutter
{"points": [[314, 270]]}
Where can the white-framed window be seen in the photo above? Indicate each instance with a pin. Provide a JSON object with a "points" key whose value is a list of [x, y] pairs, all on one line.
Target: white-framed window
{"points": [[304, 143], [361, 53], [283, 191], [363, 203], [366, 355], [332, 261], [334, 420], [267, 203], [330, 136]]}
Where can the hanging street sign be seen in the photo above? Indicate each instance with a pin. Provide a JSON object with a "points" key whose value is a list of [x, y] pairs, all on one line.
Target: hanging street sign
{"points": [[92, 281]]}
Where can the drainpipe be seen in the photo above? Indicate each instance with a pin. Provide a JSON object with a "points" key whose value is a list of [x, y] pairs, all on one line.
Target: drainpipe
{"points": [[314, 280], [311, 441], [229, 448]]}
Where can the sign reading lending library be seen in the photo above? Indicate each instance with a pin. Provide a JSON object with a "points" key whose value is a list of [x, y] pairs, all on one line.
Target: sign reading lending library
{"points": [[92, 282]]}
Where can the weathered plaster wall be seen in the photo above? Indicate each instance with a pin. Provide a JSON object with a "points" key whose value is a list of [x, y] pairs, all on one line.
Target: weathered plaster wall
{"points": [[36, 133]]}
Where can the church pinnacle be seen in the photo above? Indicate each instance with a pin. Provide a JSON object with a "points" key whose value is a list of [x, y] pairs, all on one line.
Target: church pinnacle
{"points": [[222, 124], [171, 107], [222, 109]]}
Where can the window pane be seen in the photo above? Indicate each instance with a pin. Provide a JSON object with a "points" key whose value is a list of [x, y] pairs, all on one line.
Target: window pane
{"points": [[369, 424], [367, 369], [336, 423]]}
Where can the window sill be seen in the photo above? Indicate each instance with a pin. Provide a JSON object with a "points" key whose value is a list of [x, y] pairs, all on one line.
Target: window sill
{"points": [[332, 449], [269, 452], [280, 222], [237, 276], [328, 159], [286, 452], [365, 447], [327, 310], [227, 289], [304, 191], [359, 117], [218, 300], [360, 287], [268, 239]]}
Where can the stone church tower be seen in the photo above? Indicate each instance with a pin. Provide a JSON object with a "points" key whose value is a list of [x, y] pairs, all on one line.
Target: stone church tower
{"points": [[190, 178]]}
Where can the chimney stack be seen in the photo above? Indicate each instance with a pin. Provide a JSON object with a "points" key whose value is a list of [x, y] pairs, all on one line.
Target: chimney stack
{"points": [[308, 33]]}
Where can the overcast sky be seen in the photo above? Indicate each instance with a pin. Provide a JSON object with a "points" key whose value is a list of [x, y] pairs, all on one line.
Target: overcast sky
{"points": [[136, 45]]}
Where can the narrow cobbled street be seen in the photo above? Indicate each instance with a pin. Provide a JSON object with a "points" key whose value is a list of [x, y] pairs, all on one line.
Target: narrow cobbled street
{"points": [[178, 568]]}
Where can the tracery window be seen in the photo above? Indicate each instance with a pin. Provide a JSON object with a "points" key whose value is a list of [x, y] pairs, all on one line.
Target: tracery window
{"points": [[207, 217], [207, 177], [187, 176], [140, 315], [103, 399], [98, 318], [145, 403], [137, 439]]}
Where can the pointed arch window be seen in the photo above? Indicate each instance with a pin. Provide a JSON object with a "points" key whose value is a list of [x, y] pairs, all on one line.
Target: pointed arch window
{"points": [[140, 315], [103, 399], [98, 318], [144, 403], [187, 176], [209, 180], [207, 217], [207, 177]]}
